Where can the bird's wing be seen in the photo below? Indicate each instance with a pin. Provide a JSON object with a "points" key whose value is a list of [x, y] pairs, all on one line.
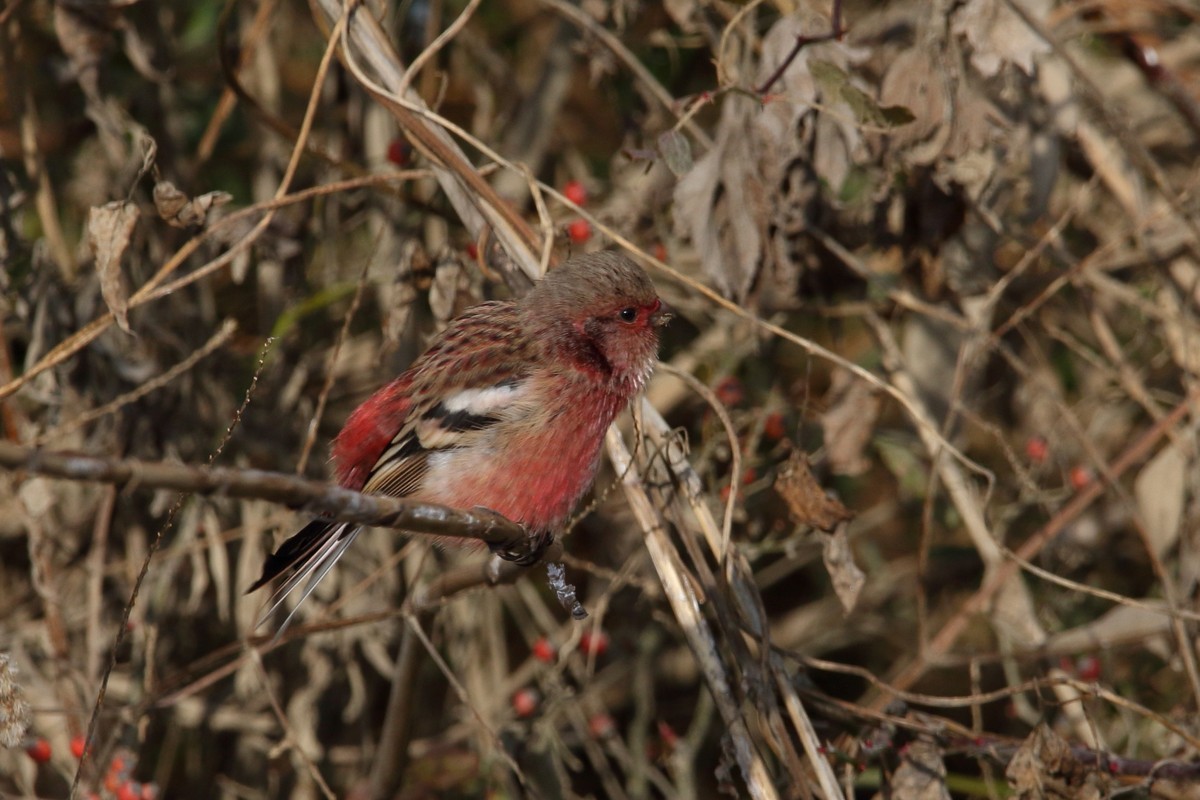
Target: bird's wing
{"points": [[472, 377]]}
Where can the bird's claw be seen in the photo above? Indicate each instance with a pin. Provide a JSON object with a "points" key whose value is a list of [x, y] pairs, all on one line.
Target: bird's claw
{"points": [[525, 551]]}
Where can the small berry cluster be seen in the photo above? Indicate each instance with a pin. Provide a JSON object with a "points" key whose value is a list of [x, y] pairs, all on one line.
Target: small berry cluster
{"points": [[1037, 452], [118, 783], [580, 230], [593, 644]]}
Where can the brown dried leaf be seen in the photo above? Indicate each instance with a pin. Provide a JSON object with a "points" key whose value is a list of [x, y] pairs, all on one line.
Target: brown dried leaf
{"points": [[1161, 492], [180, 211], [732, 197], [15, 712], [1183, 340], [998, 36], [832, 143], [1046, 767], [806, 500], [108, 230], [847, 578], [921, 774], [682, 13], [720, 204], [914, 80], [853, 407], [86, 39]]}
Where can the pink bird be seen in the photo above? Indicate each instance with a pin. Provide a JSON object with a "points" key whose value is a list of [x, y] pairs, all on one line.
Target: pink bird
{"points": [[506, 410]]}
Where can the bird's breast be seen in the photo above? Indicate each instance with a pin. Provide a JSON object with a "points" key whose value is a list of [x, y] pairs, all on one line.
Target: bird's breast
{"points": [[532, 469]]}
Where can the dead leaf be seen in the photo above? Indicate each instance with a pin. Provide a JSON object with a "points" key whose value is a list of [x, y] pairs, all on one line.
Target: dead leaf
{"points": [[16, 714], [915, 80], [85, 38], [720, 204], [853, 407], [835, 82], [1179, 329], [734, 194], [682, 13], [147, 144], [998, 36], [846, 576], [1118, 626], [180, 211], [807, 501], [450, 291], [921, 774], [1161, 490], [108, 230], [676, 152], [1046, 767], [37, 497]]}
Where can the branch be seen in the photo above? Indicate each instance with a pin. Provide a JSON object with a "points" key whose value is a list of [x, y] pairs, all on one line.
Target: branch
{"points": [[320, 499]]}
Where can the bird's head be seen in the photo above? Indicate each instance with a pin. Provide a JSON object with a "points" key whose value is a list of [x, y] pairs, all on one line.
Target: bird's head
{"points": [[600, 312]]}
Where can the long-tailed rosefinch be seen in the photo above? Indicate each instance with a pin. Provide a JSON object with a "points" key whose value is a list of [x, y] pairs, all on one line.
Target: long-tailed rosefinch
{"points": [[506, 410]]}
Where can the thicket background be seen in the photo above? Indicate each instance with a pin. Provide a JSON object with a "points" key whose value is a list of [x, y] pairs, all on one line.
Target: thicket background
{"points": [[950, 254]]}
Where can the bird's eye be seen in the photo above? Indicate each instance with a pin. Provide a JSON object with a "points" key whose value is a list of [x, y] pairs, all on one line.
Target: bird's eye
{"points": [[628, 314]]}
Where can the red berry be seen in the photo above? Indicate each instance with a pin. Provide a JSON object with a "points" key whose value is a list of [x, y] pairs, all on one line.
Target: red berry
{"points": [[750, 475], [1087, 668], [659, 251], [130, 790], [150, 791], [730, 391], [525, 702], [544, 651], [773, 427], [1037, 449], [601, 726], [77, 745], [575, 192], [580, 231], [399, 152], [1080, 477], [39, 751], [472, 251], [593, 644], [668, 735]]}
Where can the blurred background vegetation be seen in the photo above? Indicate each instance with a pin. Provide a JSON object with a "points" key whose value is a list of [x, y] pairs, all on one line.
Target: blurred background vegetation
{"points": [[948, 252]]}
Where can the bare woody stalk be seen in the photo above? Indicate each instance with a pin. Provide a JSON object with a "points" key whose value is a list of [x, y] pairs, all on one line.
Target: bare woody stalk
{"points": [[320, 499]]}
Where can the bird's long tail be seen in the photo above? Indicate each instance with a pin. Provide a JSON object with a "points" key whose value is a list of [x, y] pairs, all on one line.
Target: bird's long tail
{"points": [[304, 558]]}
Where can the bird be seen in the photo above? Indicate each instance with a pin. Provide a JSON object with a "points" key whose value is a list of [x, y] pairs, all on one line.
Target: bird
{"points": [[506, 410]]}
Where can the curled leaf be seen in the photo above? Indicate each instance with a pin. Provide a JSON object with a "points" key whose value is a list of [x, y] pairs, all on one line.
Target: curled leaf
{"points": [[177, 209], [807, 501], [845, 574], [108, 230]]}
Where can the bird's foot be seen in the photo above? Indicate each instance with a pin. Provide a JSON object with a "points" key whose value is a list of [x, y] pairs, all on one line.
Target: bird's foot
{"points": [[525, 551]]}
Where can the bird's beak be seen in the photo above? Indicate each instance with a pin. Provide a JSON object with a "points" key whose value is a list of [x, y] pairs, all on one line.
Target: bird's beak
{"points": [[662, 316]]}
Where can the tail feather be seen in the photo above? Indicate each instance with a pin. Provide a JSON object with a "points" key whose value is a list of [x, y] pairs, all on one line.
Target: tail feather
{"points": [[305, 558]]}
